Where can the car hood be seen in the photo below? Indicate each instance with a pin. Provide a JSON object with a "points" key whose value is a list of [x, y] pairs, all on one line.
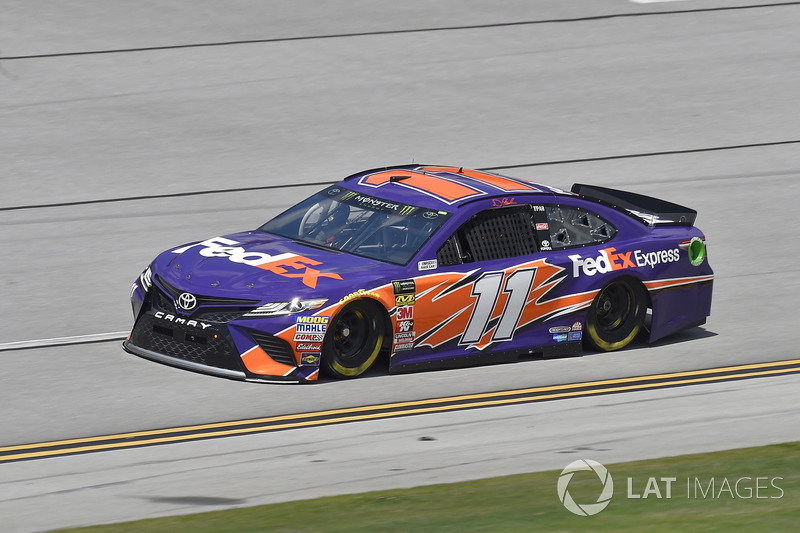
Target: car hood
{"points": [[256, 265]]}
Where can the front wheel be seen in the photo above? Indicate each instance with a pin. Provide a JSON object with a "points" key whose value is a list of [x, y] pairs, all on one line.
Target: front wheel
{"points": [[353, 340], [616, 315]]}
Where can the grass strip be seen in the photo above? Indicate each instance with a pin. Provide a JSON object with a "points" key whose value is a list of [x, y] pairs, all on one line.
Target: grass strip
{"points": [[748, 489]]}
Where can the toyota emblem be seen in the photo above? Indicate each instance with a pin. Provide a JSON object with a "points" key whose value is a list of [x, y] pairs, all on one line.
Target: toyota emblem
{"points": [[187, 301]]}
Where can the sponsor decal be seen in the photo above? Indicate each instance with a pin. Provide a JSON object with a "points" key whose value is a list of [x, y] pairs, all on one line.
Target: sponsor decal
{"points": [[309, 346], [180, 320], [288, 265], [546, 245], [405, 313], [430, 215], [404, 286], [404, 337], [577, 326], [575, 335], [609, 260], [428, 264], [405, 325], [560, 329], [560, 337], [313, 327], [308, 337], [501, 202], [542, 226], [538, 208], [358, 294], [187, 301], [404, 299], [334, 191], [403, 346], [312, 319], [310, 358], [377, 204]]}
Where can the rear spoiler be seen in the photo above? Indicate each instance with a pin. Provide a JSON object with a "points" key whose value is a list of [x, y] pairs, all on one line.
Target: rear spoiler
{"points": [[648, 210]]}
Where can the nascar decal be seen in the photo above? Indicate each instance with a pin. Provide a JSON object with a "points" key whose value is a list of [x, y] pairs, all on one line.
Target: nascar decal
{"points": [[288, 265], [609, 260], [492, 306]]}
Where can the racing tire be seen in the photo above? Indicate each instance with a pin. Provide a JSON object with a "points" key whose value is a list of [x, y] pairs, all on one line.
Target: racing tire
{"points": [[354, 340], [616, 315]]}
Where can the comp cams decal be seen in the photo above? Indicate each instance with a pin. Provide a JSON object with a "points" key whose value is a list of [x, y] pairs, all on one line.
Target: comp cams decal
{"points": [[288, 265]]}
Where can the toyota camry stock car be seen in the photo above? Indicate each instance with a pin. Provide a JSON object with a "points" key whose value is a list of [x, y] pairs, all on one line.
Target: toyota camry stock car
{"points": [[429, 266]]}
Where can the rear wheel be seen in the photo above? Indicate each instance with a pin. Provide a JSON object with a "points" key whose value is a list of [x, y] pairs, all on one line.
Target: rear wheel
{"points": [[616, 315], [354, 340]]}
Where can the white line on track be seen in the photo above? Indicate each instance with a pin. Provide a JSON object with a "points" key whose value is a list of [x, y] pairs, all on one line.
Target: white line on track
{"points": [[59, 341]]}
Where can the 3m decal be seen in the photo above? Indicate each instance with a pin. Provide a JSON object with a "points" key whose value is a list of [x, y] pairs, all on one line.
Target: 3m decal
{"points": [[405, 313], [287, 265], [609, 260]]}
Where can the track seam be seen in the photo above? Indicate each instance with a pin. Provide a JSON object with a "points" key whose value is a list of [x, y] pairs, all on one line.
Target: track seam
{"points": [[324, 183], [400, 32]]}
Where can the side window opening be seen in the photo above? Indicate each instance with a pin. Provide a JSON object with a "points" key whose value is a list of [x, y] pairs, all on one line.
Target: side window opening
{"points": [[491, 234], [574, 226]]}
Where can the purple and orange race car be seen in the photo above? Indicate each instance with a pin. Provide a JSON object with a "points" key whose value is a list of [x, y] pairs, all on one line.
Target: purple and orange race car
{"points": [[430, 267]]}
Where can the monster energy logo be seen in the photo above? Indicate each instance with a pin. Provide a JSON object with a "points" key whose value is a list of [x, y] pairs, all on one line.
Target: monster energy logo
{"points": [[348, 195], [407, 210]]}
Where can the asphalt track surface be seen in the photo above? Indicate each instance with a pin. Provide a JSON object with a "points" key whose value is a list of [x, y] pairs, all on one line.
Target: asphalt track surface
{"points": [[698, 106]]}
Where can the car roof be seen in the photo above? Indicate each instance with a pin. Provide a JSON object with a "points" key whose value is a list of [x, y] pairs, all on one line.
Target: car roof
{"points": [[440, 187]]}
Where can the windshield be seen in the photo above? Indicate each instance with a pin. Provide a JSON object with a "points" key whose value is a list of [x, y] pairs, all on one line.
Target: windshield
{"points": [[359, 224]]}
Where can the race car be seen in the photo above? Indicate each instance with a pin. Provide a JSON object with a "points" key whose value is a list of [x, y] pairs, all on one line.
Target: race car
{"points": [[430, 267]]}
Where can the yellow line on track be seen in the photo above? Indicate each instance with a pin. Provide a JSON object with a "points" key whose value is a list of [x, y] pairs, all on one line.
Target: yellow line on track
{"points": [[353, 414]]}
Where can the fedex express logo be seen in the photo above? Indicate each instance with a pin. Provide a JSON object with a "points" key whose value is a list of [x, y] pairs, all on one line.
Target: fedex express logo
{"points": [[610, 260], [287, 265]]}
